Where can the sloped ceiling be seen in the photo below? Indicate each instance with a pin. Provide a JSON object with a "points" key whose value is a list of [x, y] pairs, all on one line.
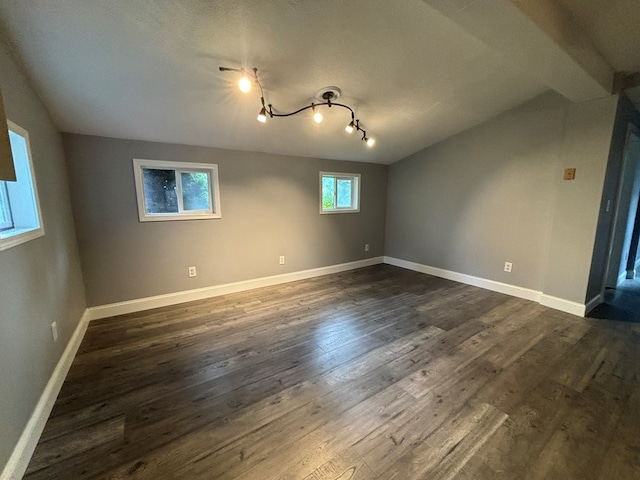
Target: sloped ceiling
{"points": [[148, 69]]}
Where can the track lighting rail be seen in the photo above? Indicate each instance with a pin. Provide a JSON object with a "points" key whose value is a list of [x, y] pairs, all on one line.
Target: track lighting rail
{"points": [[267, 109]]}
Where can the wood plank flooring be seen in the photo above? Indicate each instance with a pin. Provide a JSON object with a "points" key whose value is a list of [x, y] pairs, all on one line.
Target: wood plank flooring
{"points": [[377, 373]]}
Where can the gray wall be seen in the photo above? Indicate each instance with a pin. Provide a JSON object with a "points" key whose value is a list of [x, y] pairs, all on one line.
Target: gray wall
{"points": [[40, 281], [270, 207], [495, 193], [587, 140], [482, 197]]}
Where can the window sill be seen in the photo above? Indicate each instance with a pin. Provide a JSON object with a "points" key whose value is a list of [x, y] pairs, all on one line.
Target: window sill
{"points": [[159, 217], [16, 236], [330, 212]]}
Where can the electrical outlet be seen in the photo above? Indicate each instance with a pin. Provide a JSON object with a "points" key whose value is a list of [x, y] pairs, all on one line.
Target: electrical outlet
{"points": [[508, 266], [54, 331], [192, 272], [366, 247], [281, 259]]}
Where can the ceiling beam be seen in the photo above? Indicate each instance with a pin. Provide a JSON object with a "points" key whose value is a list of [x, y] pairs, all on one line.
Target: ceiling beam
{"points": [[540, 38], [624, 81]]}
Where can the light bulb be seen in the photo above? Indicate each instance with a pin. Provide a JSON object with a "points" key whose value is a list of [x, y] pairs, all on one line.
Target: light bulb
{"points": [[244, 84], [317, 117], [370, 142], [262, 116], [349, 128]]}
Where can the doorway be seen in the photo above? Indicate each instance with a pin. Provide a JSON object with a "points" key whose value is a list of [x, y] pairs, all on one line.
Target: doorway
{"points": [[621, 287]]}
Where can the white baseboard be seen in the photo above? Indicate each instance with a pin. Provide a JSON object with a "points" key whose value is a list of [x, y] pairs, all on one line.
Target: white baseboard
{"points": [[513, 290], [563, 305], [141, 304], [593, 303], [505, 288], [23, 451]]}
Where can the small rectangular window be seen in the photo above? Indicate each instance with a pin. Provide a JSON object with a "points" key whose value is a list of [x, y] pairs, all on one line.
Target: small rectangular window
{"points": [[20, 218], [176, 191], [339, 192]]}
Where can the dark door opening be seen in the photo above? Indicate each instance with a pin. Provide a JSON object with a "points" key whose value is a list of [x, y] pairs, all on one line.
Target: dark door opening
{"points": [[621, 297]]}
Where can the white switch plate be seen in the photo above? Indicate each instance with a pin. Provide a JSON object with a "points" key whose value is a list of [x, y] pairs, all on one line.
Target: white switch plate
{"points": [[366, 247], [281, 259], [192, 272], [508, 266], [54, 331]]}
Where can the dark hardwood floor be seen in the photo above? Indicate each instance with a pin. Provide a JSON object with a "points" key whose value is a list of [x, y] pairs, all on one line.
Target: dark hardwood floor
{"points": [[622, 303], [377, 373]]}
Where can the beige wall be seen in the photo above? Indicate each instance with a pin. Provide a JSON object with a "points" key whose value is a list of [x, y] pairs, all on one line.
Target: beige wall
{"points": [[495, 193], [270, 207], [40, 281]]}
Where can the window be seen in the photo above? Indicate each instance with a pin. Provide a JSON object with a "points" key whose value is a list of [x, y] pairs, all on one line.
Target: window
{"points": [[339, 192], [176, 191], [20, 218]]}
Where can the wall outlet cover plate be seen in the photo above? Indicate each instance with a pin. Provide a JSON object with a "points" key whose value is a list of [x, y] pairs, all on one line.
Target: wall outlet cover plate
{"points": [[569, 173]]}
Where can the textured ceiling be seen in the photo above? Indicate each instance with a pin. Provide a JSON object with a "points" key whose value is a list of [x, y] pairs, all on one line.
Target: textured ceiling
{"points": [[148, 70]]}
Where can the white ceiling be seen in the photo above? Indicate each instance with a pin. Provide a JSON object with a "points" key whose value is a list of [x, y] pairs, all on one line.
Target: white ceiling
{"points": [[413, 70]]}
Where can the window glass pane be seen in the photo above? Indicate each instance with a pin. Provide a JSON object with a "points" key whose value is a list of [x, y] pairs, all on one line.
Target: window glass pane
{"points": [[160, 191], [22, 196], [6, 220], [168, 191], [195, 190], [328, 192], [344, 193]]}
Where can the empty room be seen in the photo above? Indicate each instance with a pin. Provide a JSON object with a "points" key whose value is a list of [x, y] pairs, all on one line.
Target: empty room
{"points": [[319, 240]]}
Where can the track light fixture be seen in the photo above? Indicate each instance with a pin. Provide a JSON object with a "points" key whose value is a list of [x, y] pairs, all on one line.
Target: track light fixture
{"points": [[326, 95], [262, 116], [317, 116], [350, 128], [244, 84]]}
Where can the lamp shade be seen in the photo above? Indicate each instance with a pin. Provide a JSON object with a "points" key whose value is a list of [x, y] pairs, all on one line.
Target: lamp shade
{"points": [[7, 170]]}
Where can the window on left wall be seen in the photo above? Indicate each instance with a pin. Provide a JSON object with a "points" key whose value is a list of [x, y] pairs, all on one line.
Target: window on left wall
{"points": [[20, 216], [176, 190]]}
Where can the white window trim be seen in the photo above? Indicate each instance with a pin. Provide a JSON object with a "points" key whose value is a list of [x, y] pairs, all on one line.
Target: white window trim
{"points": [[143, 216], [355, 193], [17, 236]]}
